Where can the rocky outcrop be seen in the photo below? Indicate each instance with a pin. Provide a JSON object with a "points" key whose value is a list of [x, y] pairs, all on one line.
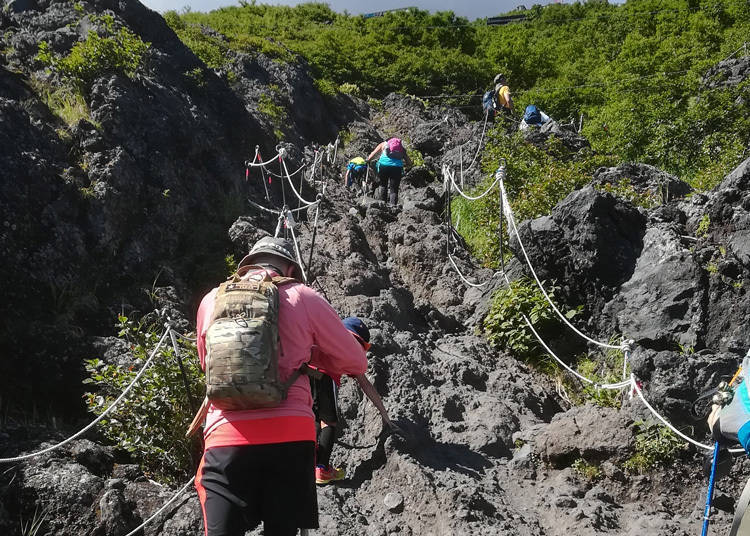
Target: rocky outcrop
{"points": [[566, 135], [728, 73], [588, 246], [658, 185]]}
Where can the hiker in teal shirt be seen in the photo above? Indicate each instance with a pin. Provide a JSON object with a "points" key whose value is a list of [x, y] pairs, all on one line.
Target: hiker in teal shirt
{"points": [[390, 167]]}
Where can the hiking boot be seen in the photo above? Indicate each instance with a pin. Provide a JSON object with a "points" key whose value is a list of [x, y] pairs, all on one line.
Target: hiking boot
{"points": [[324, 475]]}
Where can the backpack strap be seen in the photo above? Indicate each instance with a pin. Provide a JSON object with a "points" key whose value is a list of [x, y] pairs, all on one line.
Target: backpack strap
{"points": [[303, 370], [200, 416]]}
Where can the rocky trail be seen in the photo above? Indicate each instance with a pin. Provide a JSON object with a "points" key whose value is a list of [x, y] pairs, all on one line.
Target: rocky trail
{"points": [[149, 192]]}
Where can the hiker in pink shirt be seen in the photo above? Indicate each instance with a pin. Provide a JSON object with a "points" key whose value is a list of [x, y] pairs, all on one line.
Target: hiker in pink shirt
{"points": [[258, 464]]}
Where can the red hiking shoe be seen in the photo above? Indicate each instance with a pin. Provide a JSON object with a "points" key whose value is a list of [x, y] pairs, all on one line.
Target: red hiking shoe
{"points": [[324, 475]]}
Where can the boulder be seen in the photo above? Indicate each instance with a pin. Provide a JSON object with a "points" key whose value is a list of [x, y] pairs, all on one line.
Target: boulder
{"points": [[588, 246], [581, 433], [659, 186]]}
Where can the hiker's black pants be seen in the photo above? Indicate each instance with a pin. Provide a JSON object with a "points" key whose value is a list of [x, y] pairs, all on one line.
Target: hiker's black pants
{"points": [[325, 407], [390, 179], [240, 487]]}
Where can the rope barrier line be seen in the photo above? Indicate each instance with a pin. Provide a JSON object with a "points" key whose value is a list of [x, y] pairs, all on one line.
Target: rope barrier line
{"points": [[302, 200], [469, 283], [512, 226], [666, 423], [299, 257], [103, 414], [262, 164], [451, 175], [160, 510], [282, 176], [261, 207], [479, 148]]}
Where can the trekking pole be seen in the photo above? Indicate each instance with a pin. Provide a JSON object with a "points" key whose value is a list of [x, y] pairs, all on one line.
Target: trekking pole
{"points": [[710, 492]]}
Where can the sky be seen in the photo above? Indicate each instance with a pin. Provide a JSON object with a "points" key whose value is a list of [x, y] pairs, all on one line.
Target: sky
{"points": [[471, 9]]}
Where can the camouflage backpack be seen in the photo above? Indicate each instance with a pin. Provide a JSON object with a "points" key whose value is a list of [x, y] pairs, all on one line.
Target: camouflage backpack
{"points": [[242, 348]]}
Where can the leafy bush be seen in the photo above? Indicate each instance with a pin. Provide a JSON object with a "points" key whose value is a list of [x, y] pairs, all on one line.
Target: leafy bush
{"points": [[150, 422], [506, 328], [624, 189], [655, 446], [118, 51], [602, 370], [702, 230]]}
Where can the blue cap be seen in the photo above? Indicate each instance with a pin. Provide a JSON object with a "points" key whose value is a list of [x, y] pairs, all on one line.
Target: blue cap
{"points": [[355, 325]]}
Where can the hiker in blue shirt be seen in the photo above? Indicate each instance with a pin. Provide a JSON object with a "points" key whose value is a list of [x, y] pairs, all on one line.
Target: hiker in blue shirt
{"points": [[355, 171], [390, 167], [533, 117]]}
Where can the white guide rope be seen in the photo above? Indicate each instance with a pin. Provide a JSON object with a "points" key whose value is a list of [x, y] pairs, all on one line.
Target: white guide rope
{"points": [[299, 257], [160, 510], [451, 175], [507, 211], [466, 281], [106, 412], [289, 179], [666, 423], [263, 164]]}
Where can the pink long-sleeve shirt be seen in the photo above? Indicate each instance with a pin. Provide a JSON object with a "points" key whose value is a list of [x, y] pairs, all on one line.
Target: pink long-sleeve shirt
{"points": [[306, 319]]}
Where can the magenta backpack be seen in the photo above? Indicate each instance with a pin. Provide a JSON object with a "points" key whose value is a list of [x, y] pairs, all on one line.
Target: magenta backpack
{"points": [[395, 149]]}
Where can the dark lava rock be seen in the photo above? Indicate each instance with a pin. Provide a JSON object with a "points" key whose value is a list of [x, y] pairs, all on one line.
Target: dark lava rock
{"points": [[588, 246], [579, 433], [645, 179], [567, 135]]}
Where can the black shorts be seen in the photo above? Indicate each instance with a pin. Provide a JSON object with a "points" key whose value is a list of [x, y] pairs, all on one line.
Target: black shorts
{"points": [[324, 396], [240, 487]]}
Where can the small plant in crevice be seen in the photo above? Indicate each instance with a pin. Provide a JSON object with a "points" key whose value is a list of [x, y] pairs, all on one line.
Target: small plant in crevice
{"points": [[150, 422], [31, 527], [601, 369], [625, 190], [702, 230], [655, 446], [587, 471]]}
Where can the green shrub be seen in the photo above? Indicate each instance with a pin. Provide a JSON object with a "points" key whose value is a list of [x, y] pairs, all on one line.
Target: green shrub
{"points": [[118, 51], [326, 87], [625, 190], [606, 369], [150, 422], [702, 230], [655, 446], [505, 327], [210, 49], [65, 102]]}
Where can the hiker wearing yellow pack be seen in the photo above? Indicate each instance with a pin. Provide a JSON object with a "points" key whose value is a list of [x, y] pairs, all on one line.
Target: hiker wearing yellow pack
{"points": [[390, 167], [503, 100], [356, 170]]}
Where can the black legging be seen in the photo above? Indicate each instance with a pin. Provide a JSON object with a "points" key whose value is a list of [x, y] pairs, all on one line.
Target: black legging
{"points": [[390, 179]]}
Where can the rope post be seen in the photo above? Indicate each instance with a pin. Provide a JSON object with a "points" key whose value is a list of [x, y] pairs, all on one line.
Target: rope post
{"points": [[279, 222], [461, 162], [177, 355]]}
